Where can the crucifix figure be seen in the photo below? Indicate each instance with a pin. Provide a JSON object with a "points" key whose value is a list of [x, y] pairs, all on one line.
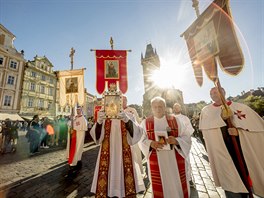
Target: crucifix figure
{"points": [[71, 55]]}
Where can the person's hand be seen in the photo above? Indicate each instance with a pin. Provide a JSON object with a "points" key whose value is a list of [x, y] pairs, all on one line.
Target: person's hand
{"points": [[101, 116], [172, 140], [233, 131], [123, 116], [156, 145]]}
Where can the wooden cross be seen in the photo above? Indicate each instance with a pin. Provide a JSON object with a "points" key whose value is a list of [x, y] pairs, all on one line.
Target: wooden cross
{"points": [[71, 55]]}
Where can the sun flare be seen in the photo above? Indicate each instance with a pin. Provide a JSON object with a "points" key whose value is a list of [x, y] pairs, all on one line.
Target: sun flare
{"points": [[171, 74]]}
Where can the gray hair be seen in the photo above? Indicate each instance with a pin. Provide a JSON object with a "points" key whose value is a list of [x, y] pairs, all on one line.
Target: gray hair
{"points": [[158, 99]]}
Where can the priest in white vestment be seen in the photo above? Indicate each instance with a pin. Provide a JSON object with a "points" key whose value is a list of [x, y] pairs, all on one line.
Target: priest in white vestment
{"points": [[250, 135], [177, 110], [116, 172], [166, 144], [136, 149], [74, 149]]}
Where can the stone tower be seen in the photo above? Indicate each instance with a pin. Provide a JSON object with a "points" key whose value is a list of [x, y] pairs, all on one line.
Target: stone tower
{"points": [[150, 63]]}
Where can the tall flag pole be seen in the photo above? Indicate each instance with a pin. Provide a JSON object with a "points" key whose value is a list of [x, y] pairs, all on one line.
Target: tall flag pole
{"points": [[211, 39]]}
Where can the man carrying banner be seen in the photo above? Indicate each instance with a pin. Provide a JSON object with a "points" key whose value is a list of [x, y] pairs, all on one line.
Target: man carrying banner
{"points": [[249, 132], [166, 160], [116, 172], [76, 141]]}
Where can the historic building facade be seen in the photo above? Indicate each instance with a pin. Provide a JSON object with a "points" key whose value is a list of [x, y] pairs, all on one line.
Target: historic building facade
{"points": [[12, 65], [39, 89], [151, 63]]}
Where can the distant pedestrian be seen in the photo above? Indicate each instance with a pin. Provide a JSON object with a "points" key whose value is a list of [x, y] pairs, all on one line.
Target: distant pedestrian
{"points": [[248, 132], [34, 135]]}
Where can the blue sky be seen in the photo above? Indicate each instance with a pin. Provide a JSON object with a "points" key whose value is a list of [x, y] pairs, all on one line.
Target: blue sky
{"points": [[52, 27]]}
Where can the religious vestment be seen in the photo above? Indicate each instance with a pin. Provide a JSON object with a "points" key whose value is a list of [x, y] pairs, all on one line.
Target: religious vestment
{"points": [[116, 172], [136, 149], [250, 128], [168, 175], [187, 123], [75, 141]]}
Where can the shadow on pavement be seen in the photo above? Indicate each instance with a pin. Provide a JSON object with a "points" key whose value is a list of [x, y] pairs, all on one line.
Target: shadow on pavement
{"points": [[53, 183]]}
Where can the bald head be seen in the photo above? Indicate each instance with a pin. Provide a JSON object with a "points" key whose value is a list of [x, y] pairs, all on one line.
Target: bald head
{"points": [[215, 95]]}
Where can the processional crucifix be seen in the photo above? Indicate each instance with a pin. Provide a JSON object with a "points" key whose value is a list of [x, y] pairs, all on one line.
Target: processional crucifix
{"points": [[71, 56]]}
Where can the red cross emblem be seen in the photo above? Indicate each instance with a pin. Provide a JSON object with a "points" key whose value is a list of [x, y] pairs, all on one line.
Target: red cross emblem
{"points": [[240, 115]]}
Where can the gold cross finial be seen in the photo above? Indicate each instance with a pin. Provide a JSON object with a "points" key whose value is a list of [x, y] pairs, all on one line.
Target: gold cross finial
{"points": [[71, 55], [112, 43]]}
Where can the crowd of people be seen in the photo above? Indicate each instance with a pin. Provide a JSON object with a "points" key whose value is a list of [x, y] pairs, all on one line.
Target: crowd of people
{"points": [[41, 133], [232, 133]]}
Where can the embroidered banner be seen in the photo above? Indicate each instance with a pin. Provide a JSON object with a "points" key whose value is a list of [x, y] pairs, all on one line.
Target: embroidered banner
{"points": [[111, 67], [213, 35], [71, 91]]}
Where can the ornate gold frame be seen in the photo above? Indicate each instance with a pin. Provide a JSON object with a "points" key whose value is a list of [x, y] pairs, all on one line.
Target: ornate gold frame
{"points": [[112, 103]]}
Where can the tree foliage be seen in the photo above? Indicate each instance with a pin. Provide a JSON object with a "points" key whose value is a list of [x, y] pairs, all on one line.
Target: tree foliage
{"points": [[256, 103]]}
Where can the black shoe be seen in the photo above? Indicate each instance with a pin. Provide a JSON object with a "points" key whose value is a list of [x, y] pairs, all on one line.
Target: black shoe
{"points": [[191, 184], [79, 165]]}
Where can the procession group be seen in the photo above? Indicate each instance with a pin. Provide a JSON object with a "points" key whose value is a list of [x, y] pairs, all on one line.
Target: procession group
{"points": [[165, 141]]}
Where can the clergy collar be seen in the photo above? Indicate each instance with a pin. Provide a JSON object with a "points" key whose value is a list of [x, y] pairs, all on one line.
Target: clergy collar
{"points": [[227, 102]]}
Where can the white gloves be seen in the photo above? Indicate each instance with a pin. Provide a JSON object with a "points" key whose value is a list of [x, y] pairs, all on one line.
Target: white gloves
{"points": [[123, 116], [101, 116]]}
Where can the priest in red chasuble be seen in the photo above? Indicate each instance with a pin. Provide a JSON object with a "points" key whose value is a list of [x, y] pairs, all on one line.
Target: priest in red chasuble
{"points": [[166, 159], [116, 173]]}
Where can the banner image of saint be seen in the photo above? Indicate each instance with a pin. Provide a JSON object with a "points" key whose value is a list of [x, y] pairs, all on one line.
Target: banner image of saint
{"points": [[112, 105], [71, 85], [211, 40], [111, 69], [71, 91]]}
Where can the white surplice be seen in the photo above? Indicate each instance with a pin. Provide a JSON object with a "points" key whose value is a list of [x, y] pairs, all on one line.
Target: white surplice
{"points": [[80, 125], [187, 123], [168, 167], [116, 172], [251, 135]]}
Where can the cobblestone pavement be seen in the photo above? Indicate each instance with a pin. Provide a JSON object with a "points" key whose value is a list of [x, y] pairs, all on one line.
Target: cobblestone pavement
{"points": [[43, 175]]}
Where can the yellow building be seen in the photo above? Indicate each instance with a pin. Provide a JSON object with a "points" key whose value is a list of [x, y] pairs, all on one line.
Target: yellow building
{"points": [[39, 89], [11, 73]]}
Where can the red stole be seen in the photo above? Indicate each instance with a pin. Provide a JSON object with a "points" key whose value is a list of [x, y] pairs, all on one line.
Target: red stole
{"points": [[102, 180], [73, 140], [72, 149], [153, 159]]}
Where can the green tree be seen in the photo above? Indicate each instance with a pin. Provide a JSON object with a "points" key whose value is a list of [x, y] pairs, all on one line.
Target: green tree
{"points": [[256, 103]]}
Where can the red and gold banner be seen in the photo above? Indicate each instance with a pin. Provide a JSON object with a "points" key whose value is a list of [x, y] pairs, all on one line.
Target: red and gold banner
{"points": [[213, 35], [111, 67]]}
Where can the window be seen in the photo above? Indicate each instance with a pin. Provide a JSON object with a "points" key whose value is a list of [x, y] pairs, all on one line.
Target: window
{"points": [[2, 39], [11, 80], [1, 60], [51, 80], [30, 102], [13, 64], [42, 89], [51, 91], [41, 103], [49, 105], [7, 101], [43, 77], [33, 74], [32, 86]]}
